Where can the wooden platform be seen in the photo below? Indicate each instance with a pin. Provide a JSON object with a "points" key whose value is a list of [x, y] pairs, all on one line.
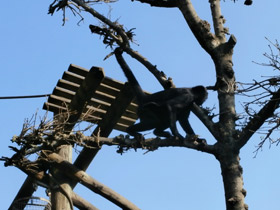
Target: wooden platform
{"points": [[88, 95], [91, 93]]}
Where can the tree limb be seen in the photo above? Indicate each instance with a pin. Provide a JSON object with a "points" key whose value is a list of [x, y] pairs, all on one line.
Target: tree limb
{"points": [[258, 120], [124, 44], [218, 20], [204, 118], [117, 27], [160, 3], [200, 28], [159, 75], [151, 144]]}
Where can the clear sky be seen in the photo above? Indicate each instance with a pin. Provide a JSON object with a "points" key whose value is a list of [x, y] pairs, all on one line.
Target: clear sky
{"points": [[36, 49]]}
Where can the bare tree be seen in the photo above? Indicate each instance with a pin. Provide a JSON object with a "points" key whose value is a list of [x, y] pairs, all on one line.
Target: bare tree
{"points": [[230, 134]]}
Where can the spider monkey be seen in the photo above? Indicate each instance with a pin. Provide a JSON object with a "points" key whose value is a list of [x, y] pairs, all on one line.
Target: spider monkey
{"points": [[162, 109]]}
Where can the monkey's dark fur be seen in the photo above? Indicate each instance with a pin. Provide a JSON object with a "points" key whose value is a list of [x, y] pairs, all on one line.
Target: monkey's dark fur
{"points": [[161, 110]]}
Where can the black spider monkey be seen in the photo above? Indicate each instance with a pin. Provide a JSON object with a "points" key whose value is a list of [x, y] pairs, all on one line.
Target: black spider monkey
{"points": [[161, 110]]}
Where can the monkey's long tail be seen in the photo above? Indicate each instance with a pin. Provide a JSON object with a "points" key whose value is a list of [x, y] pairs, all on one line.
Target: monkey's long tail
{"points": [[129, 75]]}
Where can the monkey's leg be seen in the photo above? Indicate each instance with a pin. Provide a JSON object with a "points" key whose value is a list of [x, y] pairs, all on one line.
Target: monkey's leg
{"points": [[134, 130], [172, 118], [162, 133], [185, 124]]}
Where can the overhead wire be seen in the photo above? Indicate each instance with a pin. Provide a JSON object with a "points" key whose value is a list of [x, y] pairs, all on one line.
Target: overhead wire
{"points": [[24, 97]]}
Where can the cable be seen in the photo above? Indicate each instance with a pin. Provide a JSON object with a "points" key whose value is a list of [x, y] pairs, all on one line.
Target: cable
{"points": [[22, 97]]}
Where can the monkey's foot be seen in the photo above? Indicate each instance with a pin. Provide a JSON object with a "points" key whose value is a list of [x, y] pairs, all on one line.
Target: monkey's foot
{"points": [[201, 142], [196, 139], [192, 137]]}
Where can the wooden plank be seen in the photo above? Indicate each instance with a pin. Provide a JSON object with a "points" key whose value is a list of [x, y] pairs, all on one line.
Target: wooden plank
{"points": [[103, 97], [90, 118], [94, 110], [123, 124], [90, 113], [63, 93], [113, 83], [108, 90], [96, 118], [67, 85], [60, 101], [120, 127], [126, 120], [98, 104], [54, 108], [78, 70], [132, 108], [130, 115], [75, 78]]}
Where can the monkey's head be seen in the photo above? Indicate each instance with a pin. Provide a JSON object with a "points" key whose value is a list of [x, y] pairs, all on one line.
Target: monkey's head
{"points": [[200, 94]]}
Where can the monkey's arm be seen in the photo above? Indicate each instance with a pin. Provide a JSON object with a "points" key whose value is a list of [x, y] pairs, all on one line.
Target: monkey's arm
{"points": [[184, 122], [172, 115]]}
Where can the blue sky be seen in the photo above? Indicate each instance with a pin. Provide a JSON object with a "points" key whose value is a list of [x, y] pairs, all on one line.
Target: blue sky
{"points": [[36, 49]]}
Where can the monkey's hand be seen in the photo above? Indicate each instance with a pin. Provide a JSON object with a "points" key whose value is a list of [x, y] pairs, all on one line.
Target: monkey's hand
{"points": [[196, 140]]}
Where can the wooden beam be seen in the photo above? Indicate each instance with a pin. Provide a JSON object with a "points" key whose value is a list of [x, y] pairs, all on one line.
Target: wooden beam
{"points": [[27, 189], [105, 126], [61, 199]]}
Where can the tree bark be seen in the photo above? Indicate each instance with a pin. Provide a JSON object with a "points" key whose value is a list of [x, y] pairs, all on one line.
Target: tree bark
{"points": [[233, 181]]}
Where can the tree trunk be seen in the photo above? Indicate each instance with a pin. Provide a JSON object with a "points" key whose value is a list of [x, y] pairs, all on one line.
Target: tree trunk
{"points": [[233, 181]]}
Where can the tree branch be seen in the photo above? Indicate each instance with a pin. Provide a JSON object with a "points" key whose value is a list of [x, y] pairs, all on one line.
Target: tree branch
{"points": [[159, 75], [117, 27], [124, 44], [125, 143], [205, 119], [200, 28], [218, 20], [259, 119], [160, 3]]}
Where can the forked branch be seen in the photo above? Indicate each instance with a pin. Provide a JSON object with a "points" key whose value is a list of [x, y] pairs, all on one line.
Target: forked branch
{"points": [[113, 33]]}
